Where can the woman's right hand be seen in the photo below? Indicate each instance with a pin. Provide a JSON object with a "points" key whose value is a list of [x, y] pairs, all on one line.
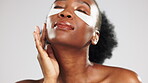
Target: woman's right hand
{"points": [[46, 58]]}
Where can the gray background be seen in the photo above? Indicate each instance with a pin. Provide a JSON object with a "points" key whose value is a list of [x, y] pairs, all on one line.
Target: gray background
{"points": [[17, 49]]}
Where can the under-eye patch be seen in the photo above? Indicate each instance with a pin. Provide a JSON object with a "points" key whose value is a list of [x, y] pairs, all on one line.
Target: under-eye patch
{"points": [[54, 11], [90, 20], [86, 18]]}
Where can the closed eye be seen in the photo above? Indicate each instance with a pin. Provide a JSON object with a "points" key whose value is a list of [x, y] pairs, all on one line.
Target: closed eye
{"points": [[82, 11], [58, 7]]}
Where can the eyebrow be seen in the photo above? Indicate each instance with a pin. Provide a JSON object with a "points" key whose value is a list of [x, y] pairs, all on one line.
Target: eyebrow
{"points": [[85, 3]]}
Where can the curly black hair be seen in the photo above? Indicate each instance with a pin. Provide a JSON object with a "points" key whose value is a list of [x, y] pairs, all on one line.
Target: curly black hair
{"points": [[107, 41]]}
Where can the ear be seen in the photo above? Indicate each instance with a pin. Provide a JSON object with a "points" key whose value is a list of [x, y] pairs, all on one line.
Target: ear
{"points": [[95, 37]]}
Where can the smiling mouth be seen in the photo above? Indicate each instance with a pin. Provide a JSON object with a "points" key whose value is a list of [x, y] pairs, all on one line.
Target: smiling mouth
{"points": [[63, 26]]}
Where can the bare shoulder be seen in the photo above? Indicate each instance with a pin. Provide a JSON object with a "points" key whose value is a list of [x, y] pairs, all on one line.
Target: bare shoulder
{"points": [[118, 75], [31, 81], [125, 75]]}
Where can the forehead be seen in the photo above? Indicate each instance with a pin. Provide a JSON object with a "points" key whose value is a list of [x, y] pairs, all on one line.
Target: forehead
{"points": [[88, 2]]}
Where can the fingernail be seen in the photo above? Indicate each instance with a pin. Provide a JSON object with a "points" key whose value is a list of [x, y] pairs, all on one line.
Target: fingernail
{"points": [[44, 25], [35, 28]]}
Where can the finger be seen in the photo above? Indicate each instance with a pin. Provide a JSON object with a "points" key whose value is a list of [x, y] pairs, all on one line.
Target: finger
{"points": [[43, 37], [37, 32], [38, 42], [37, 29]]}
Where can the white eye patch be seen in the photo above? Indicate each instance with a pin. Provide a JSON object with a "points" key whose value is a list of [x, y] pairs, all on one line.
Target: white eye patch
{"points": [[54, 11], [90, 20], [86, 18]]}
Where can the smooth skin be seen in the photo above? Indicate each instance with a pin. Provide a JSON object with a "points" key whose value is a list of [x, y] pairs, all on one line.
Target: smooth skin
{"points": [[65, 59]]}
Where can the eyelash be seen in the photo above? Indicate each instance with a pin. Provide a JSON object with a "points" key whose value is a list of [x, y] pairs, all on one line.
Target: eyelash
{"points": [[58, 7], [82, 11]]}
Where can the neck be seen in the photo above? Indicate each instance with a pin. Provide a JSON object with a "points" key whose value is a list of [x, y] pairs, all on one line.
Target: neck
{"points": [[73, 62]]}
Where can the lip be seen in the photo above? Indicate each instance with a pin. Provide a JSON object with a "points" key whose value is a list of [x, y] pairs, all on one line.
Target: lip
{"points": [[63, 25]]}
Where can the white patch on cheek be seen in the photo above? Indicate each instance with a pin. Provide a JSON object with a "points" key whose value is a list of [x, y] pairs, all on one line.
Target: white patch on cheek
{"points": [[50, 31], [54, 11], [92, 19]]}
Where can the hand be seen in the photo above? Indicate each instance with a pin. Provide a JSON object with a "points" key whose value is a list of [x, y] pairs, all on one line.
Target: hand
{"points": [[46, 58]]}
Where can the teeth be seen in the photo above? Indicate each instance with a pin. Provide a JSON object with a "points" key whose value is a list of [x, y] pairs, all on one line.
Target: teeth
{"points": [[68, 23]]}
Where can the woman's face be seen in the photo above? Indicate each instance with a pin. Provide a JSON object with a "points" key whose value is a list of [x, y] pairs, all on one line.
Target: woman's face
{"points": [[72, 22]]}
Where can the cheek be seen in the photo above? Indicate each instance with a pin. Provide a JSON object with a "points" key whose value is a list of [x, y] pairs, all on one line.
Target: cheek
{"points": [[51, 18], [83, 35], [50, 30]]}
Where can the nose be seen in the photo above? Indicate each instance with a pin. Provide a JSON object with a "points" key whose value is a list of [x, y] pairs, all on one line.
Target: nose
{"points": [[65, 14]]}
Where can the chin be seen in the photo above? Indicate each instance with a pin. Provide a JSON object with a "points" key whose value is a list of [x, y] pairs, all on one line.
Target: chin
{"points": [[67, 43]]}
